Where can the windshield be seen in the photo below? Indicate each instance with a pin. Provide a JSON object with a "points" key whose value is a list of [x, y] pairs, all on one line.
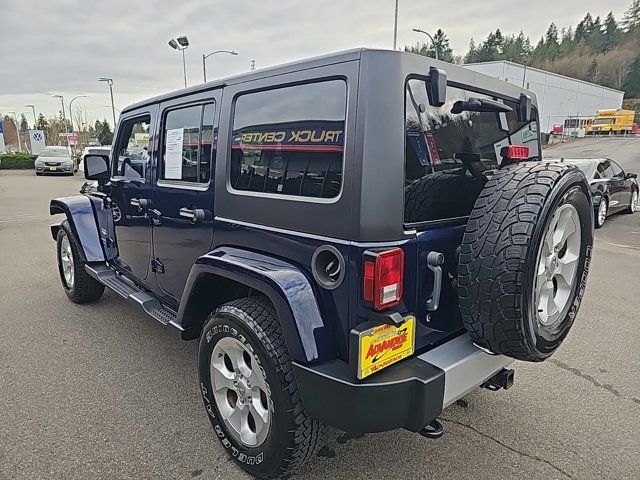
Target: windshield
{"points": [[54, 152], [603, 121], [446, 153]]}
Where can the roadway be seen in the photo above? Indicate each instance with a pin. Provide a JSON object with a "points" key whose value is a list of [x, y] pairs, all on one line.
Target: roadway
{"points": [[102, 391]]}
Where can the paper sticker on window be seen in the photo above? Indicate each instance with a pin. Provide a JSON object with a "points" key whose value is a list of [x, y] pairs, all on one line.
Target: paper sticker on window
{"points": [[433, 148], [173, 154]]}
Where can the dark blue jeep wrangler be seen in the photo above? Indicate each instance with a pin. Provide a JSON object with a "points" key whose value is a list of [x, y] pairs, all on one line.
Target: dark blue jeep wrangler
{"points": [[357, 241]]}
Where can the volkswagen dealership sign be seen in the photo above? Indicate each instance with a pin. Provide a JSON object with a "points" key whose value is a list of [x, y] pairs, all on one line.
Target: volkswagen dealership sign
{"points": [[37, 141]]}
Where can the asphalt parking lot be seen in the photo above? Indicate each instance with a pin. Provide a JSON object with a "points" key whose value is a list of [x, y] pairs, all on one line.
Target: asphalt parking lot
{"points": [[102, 391]]}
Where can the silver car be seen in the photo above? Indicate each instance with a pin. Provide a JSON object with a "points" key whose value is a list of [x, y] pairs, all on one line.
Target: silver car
{"points": [[55, 160]]}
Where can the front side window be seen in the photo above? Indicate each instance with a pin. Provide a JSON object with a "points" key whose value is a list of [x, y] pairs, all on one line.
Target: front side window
{"points": [[290, 140], [187, 144], [617, 171], [132, 150], [448, 155]]}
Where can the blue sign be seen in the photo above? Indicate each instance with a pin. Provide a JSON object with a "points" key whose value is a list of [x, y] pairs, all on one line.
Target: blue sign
{"points": [[1, 131], [37, 136]]}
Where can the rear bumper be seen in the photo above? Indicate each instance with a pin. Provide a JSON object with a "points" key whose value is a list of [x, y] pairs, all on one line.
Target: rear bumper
{"points": [[408, 395]]}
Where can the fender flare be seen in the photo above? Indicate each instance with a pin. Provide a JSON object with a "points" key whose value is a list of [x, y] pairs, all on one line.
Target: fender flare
{"points": [[307, 336], [79, 212]]}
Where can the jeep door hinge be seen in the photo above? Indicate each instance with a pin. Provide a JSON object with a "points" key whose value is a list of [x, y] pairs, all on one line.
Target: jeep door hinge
{"points": [[157, 266]]}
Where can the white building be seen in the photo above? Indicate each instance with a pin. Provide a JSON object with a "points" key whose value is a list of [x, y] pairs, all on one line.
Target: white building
{"points": [[559, 98]]}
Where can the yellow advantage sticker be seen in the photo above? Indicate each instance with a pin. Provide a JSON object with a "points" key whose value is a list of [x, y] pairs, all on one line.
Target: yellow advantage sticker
{"points": [[385, 345]]}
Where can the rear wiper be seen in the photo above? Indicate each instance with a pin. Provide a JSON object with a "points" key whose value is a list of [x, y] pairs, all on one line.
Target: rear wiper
{"points": [[475, 104]]}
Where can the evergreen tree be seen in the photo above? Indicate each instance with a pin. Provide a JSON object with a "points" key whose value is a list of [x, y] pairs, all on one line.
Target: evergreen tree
{"points": [[631, 21], [584, 29], [552, 46], [41, 123], [632, 84], [24, 125], [440, 41], [611, 33], [103, 132]]}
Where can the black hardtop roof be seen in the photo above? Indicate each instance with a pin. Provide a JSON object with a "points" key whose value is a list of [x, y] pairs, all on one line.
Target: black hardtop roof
{"points": [[455, 72]]}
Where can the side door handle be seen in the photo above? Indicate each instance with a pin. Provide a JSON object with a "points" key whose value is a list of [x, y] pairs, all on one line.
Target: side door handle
{"points": [[194, 215], [434, 262], [143, 204]]}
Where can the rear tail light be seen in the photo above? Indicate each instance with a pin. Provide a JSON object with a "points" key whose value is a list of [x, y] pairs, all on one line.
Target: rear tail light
{"points": [[383, 278], [515, 152]]}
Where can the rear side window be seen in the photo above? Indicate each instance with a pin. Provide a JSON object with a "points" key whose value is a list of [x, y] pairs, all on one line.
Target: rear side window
{"points": [[187, 144], [448, 155], [290, 141]]}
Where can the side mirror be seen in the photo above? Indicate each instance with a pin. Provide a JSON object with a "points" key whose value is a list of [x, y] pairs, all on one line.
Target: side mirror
{"points": [[630, 176], [437, 87], [96, 167], [524, 109]]}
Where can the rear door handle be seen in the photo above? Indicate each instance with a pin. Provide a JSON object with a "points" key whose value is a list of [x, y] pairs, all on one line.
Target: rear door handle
{"points": [[194, 215]]}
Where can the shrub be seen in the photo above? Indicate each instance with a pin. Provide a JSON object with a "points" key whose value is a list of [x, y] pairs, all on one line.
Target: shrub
{"points": [[17, 161]]}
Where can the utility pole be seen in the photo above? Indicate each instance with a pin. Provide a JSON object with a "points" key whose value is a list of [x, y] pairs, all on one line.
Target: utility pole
{"points": [[395, 27], [64, 119]]}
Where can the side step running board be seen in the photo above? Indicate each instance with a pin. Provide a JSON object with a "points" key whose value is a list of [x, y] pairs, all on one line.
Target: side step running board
{"points": [[127, 289]]}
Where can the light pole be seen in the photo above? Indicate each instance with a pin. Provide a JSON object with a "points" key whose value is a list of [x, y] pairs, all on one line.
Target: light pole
{"points": [[35, 120], [181, 43], [113, 108], [524, 63], [395, 26], [204, 57], [15, 117], [64, 119], [433, 42], [75, 143]]}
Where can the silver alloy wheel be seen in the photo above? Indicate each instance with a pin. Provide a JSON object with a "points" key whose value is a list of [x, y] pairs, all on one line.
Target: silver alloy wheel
{"points": [[557, 265], [634, 201], [66, 258], [241, 392], [602, 212]]}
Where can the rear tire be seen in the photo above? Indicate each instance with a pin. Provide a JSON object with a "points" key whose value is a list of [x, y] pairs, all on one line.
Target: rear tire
{"points": [[444, 194], [79, 286], [634, 202], [524, 259], [261, 372], [601, 212]]}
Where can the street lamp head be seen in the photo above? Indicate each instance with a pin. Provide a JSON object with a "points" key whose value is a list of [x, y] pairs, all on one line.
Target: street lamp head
{"points": [[233, 52], [105, 79], [418, 30], [30, 106], [183, 41], [58, 96], [173, 44]]}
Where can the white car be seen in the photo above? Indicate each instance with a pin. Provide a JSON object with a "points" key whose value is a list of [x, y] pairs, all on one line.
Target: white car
{"points": [[55, 160], [98, 150]]}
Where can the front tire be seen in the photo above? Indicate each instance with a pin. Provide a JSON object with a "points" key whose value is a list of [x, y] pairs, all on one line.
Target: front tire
{"points": [[250, 393], [79, 286]]}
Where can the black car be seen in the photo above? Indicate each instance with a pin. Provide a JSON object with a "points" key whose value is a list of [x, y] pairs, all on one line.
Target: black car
{"points": [[613, 190]]}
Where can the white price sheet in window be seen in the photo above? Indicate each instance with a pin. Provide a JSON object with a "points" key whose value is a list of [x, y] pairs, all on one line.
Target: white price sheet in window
{"points": [[173, 154]]}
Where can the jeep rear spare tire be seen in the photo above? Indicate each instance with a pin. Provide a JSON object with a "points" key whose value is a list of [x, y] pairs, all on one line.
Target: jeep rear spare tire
{"points": [[524, 259]]}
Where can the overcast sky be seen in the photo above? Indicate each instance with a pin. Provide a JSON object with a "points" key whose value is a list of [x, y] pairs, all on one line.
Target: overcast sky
{"points": [[63, 46]]}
